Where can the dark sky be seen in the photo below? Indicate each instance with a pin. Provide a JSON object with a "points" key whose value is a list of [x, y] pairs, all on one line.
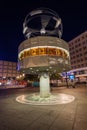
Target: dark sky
{"points": [[12, 13]]}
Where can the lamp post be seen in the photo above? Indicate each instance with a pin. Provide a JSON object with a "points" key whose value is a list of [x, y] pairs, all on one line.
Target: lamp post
{"points": [[66, 80], [66, 77]]}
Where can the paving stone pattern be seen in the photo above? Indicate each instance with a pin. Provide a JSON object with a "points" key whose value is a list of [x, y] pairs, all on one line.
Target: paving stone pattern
{"points": [[17, 116]]}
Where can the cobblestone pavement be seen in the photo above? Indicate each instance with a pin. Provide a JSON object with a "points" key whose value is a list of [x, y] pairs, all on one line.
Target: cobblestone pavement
{"points": [[17, 116]]}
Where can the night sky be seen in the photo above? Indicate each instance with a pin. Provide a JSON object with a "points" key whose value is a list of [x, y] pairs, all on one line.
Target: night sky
{"points": [[12, 14]]}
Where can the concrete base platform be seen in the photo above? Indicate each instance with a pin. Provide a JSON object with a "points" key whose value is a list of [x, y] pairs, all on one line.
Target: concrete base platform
{"points": [[53, 99]]}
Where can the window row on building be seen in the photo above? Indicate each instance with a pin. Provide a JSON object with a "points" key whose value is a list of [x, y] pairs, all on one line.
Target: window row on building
{"points": [[8, 69], [78, 51]]}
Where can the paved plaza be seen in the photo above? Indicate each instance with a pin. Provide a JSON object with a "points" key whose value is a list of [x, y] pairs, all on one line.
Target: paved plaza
{"points": [[17, 116]]}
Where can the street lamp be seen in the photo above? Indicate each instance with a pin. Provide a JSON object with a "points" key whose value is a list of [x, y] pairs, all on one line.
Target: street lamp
{"points": [[66, 80], [66, 77]]}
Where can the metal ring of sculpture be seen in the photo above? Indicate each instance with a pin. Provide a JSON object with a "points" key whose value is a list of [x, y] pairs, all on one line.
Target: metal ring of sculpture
{"points": [[42, 21]]}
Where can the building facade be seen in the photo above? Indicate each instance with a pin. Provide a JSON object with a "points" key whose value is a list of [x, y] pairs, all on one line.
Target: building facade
{"points": [[80, 74], [78, 56], [8, 69], [78, 51]]}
